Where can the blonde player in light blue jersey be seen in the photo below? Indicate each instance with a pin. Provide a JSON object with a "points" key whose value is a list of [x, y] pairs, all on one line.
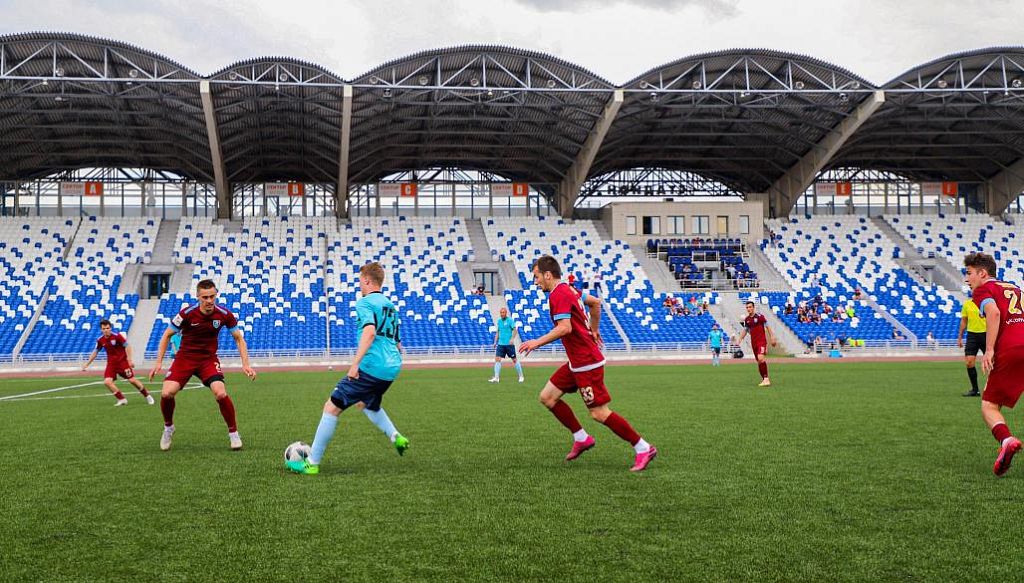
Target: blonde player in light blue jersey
{"points": [[376, 364]]}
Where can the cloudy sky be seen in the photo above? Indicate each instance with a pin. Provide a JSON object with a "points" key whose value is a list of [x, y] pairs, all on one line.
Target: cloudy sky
{"points": [[617, 39]]}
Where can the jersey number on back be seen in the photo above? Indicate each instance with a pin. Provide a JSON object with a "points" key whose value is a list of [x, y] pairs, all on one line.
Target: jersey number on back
{"points": [[389, 323], [1013, 295]]}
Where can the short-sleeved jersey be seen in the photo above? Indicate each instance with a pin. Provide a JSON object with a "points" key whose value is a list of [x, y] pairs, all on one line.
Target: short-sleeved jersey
{"points": [[199, 331], [506, 327], [115, 347], [715, 338], [975, 323], [565, 302], [383, 360], [1007, 297], [755, 327]]}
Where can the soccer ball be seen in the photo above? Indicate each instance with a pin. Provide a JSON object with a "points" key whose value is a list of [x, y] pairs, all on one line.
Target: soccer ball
{"points": [[297, 451]]}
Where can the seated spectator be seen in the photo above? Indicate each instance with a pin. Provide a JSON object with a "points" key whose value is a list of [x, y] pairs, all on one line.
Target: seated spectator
{"points": [[479, 291], [850, 311], [857, 294], [896, 335]]}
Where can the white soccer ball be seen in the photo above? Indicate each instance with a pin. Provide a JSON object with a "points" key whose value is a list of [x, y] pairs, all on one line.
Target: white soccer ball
{"points": [[297, 451]]}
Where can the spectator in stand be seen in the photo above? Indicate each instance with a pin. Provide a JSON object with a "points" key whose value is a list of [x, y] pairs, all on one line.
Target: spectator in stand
{"points": [[850, 310], [896, 335], [597, 284], [479, 291], [789, 308], [669, 303], [932, 343], [858, 294]]}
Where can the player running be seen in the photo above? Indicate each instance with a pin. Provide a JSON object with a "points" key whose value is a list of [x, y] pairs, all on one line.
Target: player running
{"points": [[1003, 307], [375, 366], [119, 363], [757, 325], [971, 320], [503, 345], [584, 373], [199, 325], [715, 342]]}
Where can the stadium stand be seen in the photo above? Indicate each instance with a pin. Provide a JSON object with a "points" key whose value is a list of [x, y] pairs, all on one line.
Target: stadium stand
{"points": [[842, 255], [865, 325], [87, 289], [581, 252], [31, 251], [686, 257], [952, 237]]}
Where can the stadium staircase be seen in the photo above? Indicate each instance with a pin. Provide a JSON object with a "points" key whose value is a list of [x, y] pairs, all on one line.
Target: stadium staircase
{"points": [[906, 332], [926, 269], [657, 270], [146, 312], [768, 275]]}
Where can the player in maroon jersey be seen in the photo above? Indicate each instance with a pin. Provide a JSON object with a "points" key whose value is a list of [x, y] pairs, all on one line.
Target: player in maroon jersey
{"points": [[577, 320], [199, 325], [119, 363], [1002, 306], [760, 335]]}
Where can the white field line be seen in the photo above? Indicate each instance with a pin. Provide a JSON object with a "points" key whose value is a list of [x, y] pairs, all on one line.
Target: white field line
{"points": [[28, 396]]}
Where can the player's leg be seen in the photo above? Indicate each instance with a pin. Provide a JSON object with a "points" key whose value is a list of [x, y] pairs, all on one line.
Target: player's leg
{"points": [[227, 408], [497, 366], [371, 407], [1008, 444], [972, 375], [169, 389], [595, 395], [134, 381], [551, 397], [112, 387], [762, 365], [519, 367]]}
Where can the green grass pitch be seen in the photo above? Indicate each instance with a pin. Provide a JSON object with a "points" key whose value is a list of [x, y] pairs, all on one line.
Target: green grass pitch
{"points": [[841, 471]]}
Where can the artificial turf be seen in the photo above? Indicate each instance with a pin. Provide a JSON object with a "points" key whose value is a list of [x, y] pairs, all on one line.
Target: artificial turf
{"points": [[841, 471]]}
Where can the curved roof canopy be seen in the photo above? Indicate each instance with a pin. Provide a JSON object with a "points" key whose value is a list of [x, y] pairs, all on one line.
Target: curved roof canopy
{"points": [[744, 118], [960, 117]]}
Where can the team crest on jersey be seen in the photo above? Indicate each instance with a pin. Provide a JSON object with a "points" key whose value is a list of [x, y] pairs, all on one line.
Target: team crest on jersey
{"points": [[216, 324]]}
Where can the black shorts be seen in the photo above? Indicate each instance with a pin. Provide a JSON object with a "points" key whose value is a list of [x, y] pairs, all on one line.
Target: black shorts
{"points": [[975, 343]]}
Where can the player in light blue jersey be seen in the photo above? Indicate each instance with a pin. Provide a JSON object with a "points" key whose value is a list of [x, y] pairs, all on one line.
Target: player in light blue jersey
{"points": [[175, 345], [504, 346], [715, 341], [375, 366]]}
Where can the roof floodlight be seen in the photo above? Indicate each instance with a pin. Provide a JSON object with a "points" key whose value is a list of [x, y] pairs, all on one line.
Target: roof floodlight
{"points": [[654, 95], [423, 79], [1017, 83], [282, 77], [490, 93], [551, 83], [644, 85], [387, 93], [374, 80], [233, 75], [844, 97], [855, 85], [59, 71], [942, 83], [474, 82], [133, 73], [697, 85], [799, 85]]}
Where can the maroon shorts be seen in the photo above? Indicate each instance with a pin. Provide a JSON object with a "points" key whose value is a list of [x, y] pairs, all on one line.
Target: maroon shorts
{"points": [[118, 369], [590, 384], [1006, 381], [760, 349], [206, 370]]}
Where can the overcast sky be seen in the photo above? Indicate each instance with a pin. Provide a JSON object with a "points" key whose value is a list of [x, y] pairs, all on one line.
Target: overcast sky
{"points": [[618, 39]]}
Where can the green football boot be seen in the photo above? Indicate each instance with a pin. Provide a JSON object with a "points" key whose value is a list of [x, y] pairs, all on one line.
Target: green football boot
{"points": [[302, 467], [401, 444]]}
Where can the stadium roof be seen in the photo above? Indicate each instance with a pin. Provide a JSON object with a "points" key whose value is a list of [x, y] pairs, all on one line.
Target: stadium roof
{"points": [[745, 118]]}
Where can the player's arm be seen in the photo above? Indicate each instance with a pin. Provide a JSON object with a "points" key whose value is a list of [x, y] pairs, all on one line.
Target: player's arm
{"points": [[771, 335], [92, 357], [992, 322], [128, 353], [743, 334], [562, 327], [161, 350], [960, 332], [496, 338], [594, 306], [365, 341], [243, 352]]}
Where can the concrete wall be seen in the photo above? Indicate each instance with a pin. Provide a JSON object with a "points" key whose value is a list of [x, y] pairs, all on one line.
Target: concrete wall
{"points": [[615, 219]]}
